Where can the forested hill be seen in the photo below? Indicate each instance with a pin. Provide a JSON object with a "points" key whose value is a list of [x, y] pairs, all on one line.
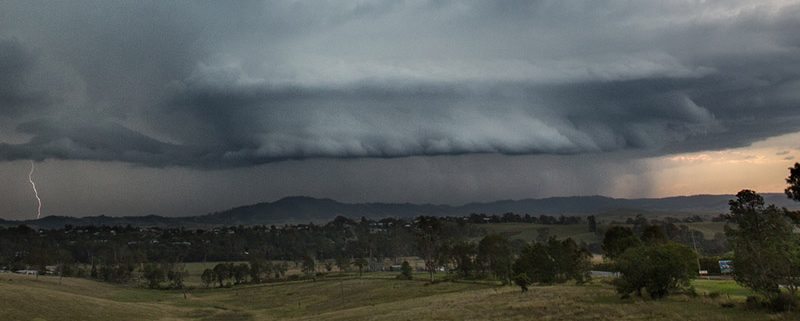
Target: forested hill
{"points": [[301, 209]]}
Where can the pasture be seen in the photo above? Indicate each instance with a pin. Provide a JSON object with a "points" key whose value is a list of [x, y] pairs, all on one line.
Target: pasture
{"points": [[376, 296]]}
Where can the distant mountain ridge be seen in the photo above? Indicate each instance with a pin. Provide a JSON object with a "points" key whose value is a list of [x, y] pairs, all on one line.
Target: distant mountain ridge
{"points": [[304, 209]]}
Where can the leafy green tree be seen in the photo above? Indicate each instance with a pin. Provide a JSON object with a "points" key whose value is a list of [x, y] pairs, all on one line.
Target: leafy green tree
{"points": [[536, 264], [360, 263], [93, 272], [658, 269], [429, 241], [495, 255], [553, 262], [592, 221], [154, 275], [793, 190], [175, 274], [405, 271], [207, 277], [257, 270], [222, 272], [653, 234], [463, 254], [572, 262], [618, 239], [240, 272], [309, 266], [764, 246]]}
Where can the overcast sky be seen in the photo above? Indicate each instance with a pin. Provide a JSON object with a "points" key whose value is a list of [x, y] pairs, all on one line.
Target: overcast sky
{"points": [[178, 108]]}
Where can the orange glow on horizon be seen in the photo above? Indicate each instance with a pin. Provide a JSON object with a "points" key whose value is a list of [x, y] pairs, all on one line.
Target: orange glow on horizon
{"points": [[762, 166]]}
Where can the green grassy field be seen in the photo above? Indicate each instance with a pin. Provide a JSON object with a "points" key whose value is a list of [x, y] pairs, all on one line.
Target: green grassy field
{"points": [[529, 232], [708, 228], [725, 288], [375, 297]]}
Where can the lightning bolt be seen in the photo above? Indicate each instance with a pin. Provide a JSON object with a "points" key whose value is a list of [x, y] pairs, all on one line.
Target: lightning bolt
{"points": [[35, 192]]}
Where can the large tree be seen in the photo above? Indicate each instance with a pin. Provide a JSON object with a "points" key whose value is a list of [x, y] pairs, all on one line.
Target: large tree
{"points": [[793, 190], [657, 268], [154, 275], [552, 262], [618, 239], [222, 272], [495, 255], [536, 265], [429, 242], [463, 254], [764, 245], [309, 266], [207, 277], [653, 234]]}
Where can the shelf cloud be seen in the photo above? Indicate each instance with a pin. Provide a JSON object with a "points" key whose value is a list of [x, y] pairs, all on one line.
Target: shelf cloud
{"points": [[235, 85]]}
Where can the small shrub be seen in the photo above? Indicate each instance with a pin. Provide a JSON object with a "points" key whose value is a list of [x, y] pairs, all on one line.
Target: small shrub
{"points": [[522, 280], [405, 271], [714, 294]]}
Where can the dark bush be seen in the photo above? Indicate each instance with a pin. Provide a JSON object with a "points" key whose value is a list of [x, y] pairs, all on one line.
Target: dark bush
{"points": [[658, 269], [753, 303], [783, 302]]}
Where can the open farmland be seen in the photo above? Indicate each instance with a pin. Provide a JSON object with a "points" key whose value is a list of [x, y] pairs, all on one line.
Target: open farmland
{"points": [[376, 296]]}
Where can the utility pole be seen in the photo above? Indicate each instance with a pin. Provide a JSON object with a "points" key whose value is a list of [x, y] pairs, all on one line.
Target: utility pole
{"points": [[697, 255]]}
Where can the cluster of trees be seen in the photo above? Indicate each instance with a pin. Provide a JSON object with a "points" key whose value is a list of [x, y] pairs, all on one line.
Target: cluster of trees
{"points": [[154, 255], [680, 233], [157, 273], [551, 262], [115, 252], [495, 256], [257, 271]]}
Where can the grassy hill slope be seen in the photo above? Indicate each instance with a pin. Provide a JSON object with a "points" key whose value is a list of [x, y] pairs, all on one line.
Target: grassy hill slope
{"points": [[376, 297]]}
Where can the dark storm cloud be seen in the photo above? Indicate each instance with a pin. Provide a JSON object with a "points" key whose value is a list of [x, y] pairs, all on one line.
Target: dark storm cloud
{"points": [[210, 85], [16, 62]]}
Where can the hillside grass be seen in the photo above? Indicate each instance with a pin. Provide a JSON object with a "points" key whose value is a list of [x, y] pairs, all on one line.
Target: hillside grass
{"points": [[374, 297]]}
